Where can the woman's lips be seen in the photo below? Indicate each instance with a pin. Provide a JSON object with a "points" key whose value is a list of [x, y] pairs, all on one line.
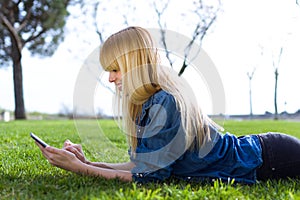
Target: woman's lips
{"points": [[119, 86]]}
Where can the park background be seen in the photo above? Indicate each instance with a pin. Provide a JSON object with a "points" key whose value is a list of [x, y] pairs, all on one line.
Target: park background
{"points": [[246, 37]]}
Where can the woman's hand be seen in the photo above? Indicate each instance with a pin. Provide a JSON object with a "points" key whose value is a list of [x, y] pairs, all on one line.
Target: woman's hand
{"points": [[61, 158], [75, 149]]}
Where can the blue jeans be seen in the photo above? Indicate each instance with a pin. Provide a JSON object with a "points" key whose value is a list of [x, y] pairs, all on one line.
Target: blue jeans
{"points": [[281, 156]]}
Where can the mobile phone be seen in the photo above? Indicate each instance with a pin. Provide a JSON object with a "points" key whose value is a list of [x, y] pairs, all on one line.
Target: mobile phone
{"points": [[39, 140]]}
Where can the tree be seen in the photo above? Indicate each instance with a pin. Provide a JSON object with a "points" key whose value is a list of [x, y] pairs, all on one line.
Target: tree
{"points": [[203, 15], [276, 73], [206, 13], [250, 76], [33, 24]]}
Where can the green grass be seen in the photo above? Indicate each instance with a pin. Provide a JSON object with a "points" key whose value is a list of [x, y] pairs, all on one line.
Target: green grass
{"points": [[25, 174]]}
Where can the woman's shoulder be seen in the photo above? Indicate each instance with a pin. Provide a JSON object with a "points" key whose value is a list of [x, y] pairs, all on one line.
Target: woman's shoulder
{"points": [[162, 96]]}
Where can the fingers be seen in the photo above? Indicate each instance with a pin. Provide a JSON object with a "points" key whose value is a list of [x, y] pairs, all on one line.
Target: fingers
{"points": [[77, 151], [48, 150], [53, 150], [38, 144], [67, 143], [43, 150], [78, 147], [73, 148]]}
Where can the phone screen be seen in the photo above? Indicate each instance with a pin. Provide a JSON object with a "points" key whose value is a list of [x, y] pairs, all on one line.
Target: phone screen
{"points": [[39, 140]]}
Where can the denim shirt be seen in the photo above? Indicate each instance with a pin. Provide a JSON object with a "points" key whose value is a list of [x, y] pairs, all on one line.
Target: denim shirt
{"points": [[161, 151]]}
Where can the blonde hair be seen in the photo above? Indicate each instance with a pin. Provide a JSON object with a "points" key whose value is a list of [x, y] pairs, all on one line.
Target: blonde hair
{"points": [[133, 53]]}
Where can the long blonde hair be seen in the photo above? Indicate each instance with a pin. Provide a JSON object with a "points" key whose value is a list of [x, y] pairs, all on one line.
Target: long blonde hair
{"points": [[132, 51]]}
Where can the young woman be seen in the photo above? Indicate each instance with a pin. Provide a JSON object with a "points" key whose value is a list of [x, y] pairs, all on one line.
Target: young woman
{"points": [[168, 135]]}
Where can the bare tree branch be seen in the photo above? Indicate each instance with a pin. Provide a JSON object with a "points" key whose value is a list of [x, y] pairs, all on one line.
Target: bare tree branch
{"points": [[207, 16], [95, 11], [33, 37], [162, 29], [250, 75]]}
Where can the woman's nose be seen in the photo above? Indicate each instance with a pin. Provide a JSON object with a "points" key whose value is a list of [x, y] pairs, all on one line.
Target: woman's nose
{"points": [[112, 77]]}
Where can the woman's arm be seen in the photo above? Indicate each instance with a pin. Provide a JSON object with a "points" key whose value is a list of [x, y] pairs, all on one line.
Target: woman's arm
{"points": [[127, 166], [105, 173], [67, 160]]}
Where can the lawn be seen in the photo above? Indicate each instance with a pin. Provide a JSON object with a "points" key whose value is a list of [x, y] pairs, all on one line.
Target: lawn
{"points": [[25, 174]]}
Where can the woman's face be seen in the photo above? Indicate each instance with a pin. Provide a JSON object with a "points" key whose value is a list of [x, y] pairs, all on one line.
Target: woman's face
{"points": [[116, 77]]}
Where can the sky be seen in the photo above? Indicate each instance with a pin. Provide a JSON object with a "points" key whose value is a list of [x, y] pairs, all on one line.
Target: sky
{"points": [[246, 36]]}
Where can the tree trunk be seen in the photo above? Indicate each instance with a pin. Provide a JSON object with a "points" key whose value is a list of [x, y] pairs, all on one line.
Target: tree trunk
{"points": [[18, 82], [275, 94], [250, 98], [18, 89]]}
